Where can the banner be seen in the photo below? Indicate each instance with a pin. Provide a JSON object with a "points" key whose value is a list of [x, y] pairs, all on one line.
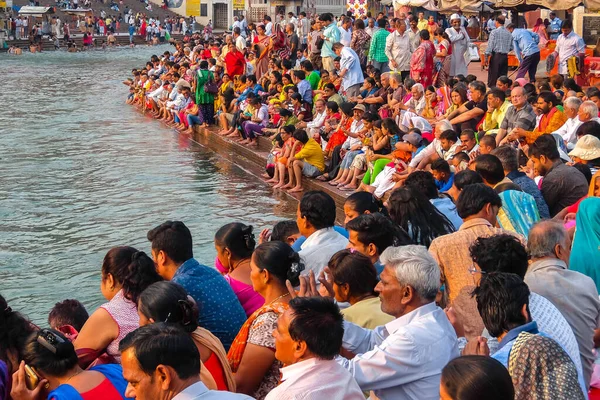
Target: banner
{"points": [[358, 7], [192, 8], [239, 4]]}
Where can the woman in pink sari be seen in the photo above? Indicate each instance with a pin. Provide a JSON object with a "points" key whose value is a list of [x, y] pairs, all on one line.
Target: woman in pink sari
{"points": [[540, 29], [421, 61]]}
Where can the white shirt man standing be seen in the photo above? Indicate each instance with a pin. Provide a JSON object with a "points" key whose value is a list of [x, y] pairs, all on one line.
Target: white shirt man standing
{"points": [[397, 49], [568, 45]]}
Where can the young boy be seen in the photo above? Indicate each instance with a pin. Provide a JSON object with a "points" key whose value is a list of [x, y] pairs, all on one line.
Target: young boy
{"points": [[68, 317], [444, 178], [309, 161]]}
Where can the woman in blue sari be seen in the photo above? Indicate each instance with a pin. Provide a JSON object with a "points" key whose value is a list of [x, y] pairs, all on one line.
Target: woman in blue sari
{"points": [[585, 253]]}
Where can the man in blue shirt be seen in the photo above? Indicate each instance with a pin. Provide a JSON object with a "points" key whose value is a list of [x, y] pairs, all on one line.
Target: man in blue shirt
{"points": [[526, 48], [219, 308], [330, 35], [444, 178], [554, 27]]}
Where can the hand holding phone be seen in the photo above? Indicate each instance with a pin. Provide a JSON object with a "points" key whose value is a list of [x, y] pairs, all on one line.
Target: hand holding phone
{"points": [[27, 384]]}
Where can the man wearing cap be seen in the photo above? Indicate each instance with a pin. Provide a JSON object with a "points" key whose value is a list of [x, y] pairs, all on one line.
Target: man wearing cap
{"points": [[496, 53], [460, 45], [351, 72]]}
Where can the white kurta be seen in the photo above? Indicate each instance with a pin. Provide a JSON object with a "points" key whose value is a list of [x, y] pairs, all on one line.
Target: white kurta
{"points": [[460, 45]]}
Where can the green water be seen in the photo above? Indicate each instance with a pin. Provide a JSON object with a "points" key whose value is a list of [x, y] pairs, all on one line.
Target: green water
{"points": [[81, 172]]}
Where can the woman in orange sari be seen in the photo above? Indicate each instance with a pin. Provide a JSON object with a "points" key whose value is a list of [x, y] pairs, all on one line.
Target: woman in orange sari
{"points": [[252, 354], [339, 136], [262, 48]]}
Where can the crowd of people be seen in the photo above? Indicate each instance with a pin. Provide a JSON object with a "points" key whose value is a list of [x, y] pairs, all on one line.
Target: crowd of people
{"points": [[466, 266], [106, 26]]}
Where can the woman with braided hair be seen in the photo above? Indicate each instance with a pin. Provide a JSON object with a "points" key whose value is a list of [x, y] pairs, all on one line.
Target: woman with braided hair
{"points": [[168, 302], [126, 272]]}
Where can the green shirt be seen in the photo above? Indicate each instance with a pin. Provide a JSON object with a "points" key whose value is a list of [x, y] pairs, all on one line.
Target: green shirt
{"points": [[314, 78], [377, 49]]}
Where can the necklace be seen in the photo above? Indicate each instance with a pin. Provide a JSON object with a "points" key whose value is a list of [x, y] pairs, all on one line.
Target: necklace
{"points": [[73, 376], [274, 300]]}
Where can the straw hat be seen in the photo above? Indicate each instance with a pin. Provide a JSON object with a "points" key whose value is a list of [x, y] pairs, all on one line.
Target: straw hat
{"points": [[587, 148]]}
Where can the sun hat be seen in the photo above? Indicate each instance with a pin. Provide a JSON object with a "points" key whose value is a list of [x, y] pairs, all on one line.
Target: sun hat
{"points": [[359, 107], [587, 148]]}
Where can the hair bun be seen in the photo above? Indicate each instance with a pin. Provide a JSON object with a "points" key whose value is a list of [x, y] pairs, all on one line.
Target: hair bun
{"points": [[294, 272]]}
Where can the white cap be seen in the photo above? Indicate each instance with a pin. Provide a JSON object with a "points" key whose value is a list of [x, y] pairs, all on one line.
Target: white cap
{"points": [[454, 16]]}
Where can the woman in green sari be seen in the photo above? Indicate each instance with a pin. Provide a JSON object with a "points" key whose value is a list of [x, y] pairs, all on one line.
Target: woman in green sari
{"points": [[205, 100]]}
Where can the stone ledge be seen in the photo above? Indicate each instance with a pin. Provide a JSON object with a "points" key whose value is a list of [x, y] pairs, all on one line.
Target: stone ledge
{"points": [[254, 161]]}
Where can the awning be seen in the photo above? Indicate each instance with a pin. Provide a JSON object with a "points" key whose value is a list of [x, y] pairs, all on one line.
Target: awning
{"points": [[35, 11], [78, 11], [528, 5], [426, 4]]}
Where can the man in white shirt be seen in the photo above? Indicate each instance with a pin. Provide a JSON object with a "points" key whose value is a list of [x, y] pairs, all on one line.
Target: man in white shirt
{"points": [[240, 42], [346, 31], [569, 128], [351, 72], [568, 45], [315, 218], [268, 25], [302, 29], [307, 339], [318, 118], [174, 360], [397, 49], [403, 360]]}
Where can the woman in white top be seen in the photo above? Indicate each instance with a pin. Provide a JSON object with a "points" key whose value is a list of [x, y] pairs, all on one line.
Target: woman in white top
{"points": [[126, 272]]}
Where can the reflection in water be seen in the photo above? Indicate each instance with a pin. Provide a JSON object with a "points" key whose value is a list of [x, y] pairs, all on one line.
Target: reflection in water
{"points": [[82, 172]]}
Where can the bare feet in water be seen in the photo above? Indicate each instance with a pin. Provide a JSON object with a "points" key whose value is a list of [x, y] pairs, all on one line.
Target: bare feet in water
{"points": [[296, 189]]}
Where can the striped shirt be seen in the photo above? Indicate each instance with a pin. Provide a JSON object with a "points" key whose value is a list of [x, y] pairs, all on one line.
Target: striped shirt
{"points": [[501, 41]]}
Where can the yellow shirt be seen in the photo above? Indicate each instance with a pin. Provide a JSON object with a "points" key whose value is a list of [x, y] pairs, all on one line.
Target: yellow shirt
{"points": [[312, 153], [367, 314], [494, 120], [422, 24]]}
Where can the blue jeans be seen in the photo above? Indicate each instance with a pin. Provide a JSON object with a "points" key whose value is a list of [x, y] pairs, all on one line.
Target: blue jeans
{"points": [[381, 66]]}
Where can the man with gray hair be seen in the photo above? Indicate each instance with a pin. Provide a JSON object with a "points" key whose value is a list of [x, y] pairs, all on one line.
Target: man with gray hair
{"points": [[404, 358], [569, 129], [574, 294], [588, 111]]}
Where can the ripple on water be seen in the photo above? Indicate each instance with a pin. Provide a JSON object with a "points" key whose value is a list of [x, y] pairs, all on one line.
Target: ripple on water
{"points": [[82, 172]]}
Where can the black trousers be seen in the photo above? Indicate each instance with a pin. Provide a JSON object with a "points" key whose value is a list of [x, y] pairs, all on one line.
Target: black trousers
{"points": [[498, 67], [529, 66]]}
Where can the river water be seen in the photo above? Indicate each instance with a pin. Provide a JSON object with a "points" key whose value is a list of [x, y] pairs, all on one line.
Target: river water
{"points": [[81, 172]]}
